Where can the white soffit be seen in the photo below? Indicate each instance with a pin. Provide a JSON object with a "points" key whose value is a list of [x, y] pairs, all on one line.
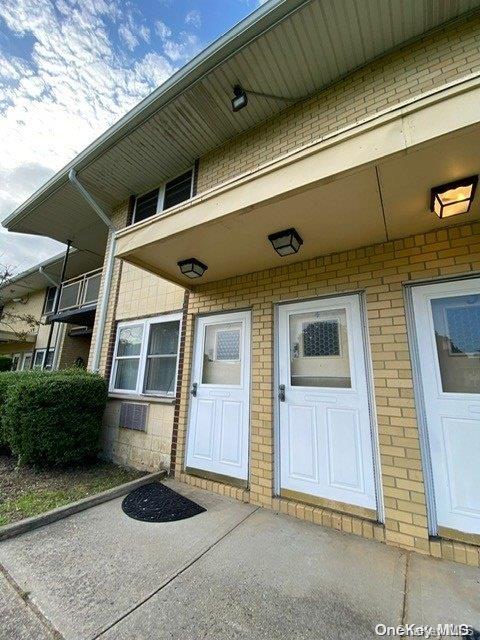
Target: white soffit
{"points": [[291, 48]]}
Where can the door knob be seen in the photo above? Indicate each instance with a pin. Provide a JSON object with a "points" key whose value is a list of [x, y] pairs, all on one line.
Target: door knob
{"points": [[194, 389], [281, 392]]}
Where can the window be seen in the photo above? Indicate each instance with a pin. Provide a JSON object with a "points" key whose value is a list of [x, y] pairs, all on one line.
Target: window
{"points": [[146, 356], [227, 345], [49, 300], [171, 193], [320, 339], [39, 358], [26, 361], [15, 362]]}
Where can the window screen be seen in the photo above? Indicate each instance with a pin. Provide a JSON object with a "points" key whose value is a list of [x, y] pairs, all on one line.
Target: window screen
{"points": [[321, 339], [162, 357], [146, 205], [178, 190]]}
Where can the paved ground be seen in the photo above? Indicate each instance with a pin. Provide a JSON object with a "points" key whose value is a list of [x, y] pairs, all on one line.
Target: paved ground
{"points": [[231, 572]]}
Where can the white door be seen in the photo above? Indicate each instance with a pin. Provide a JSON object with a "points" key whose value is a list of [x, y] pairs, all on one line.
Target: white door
{"points": [[220, 396], [447, 322], [325, 428]]}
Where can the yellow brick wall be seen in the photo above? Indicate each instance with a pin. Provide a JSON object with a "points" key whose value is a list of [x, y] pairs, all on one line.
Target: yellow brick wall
{"points": [[446, 55], [73, 347], [136, 294], [380, 272]]}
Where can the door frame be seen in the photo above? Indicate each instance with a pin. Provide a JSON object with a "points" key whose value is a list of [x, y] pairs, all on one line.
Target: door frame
{"points": [[193, 362], [377, 476], [418, 393]]}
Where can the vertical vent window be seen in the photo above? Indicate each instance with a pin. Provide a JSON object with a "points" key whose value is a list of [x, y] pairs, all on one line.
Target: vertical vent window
{"points": [[146, 205], [178, 190]]}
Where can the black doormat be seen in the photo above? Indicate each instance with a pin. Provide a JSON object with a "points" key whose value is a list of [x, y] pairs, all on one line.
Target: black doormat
{"points": [[154, 502]]}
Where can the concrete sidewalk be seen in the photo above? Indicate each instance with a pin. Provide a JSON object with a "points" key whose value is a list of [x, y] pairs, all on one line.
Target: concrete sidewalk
{"points": [[231, 572]]}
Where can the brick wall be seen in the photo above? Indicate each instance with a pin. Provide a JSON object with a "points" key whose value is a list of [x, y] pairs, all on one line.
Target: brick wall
{"points": [[380, 272], [135, 294], [73, 347], [446, 55]]}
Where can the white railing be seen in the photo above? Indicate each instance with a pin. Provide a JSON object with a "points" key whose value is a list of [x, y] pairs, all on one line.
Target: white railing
{"points": [[80, 291]]}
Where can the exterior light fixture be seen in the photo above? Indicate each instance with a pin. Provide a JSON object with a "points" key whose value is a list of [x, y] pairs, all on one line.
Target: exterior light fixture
{"points": [[454, 197], [286, 242], [240, 98], [192, 268]]}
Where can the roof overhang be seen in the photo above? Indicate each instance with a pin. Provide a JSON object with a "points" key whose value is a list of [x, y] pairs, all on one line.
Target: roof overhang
{"points": [[290, 48], [41, 275], [368, 184]]}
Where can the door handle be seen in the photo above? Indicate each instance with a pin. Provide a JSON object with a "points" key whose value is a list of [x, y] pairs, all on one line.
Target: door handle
{"points": [[194, 388], [281, 392]]}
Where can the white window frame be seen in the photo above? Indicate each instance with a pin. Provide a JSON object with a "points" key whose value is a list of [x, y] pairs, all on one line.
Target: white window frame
{"points": [[43, 351], [161, 194], [18, 358], [142, 365], [24, 357]]}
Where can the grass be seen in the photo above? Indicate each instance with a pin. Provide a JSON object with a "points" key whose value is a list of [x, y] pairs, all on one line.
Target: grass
{"points": [[26, 492]]}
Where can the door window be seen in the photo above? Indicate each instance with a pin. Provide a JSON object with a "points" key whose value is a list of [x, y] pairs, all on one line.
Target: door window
{"points": [[456, 323], [319, 349], [222, 354]]}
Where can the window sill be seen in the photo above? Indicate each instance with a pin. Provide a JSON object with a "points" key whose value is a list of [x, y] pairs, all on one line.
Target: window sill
{"points": [[133, 397]]}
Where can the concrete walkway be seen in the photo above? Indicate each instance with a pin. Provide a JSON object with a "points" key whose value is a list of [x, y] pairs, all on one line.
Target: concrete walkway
{"points": [[232, 572]]}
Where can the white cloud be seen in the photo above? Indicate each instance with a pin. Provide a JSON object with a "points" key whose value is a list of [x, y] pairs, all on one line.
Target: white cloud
{"points": [[184, 49], [162, 30], [75, 85], [194, 18]]}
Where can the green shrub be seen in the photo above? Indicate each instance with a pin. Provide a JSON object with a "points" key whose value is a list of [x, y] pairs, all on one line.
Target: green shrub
{"points": [[54, 418], [7, 378], [5, 363]]}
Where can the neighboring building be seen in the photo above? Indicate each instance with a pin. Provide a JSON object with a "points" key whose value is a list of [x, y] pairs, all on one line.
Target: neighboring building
{"points": [[325, 358], [29, 326]]}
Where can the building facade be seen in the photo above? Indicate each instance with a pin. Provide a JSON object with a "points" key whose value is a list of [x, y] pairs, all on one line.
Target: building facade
{"points": [[292, 301]]}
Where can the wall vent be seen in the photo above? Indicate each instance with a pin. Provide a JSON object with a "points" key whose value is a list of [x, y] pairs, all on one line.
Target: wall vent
{"points": [[133, 415]]}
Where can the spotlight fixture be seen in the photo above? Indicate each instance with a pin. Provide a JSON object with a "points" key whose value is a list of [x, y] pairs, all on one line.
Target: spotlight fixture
{"points": [[192, 268], [454, 197], [286, 242], [240, 98]]}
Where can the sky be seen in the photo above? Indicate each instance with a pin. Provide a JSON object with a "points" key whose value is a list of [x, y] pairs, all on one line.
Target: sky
{"points": [[69, 69]]}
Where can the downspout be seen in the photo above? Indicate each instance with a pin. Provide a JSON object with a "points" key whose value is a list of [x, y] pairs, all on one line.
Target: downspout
{"points": [[107, 280]]}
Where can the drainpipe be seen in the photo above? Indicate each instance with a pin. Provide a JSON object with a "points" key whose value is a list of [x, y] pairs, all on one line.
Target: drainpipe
{"points": [[55, 305], [49, 278], [107, 278]]}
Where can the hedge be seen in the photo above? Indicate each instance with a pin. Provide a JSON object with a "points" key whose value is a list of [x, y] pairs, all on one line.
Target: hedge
{"points": [[7, 378], [6, 363], [54, 418]]}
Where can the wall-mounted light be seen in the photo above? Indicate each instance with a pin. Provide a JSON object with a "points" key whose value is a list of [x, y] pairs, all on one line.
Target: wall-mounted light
{"points": [[454, 197], [192, 268], [286, 242], [240, 98]]}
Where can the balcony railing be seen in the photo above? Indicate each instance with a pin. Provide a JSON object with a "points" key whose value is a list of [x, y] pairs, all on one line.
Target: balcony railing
{"points": [[81, 291]]}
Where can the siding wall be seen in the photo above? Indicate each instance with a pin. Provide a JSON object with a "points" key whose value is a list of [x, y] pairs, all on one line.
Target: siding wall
{"points": [[380, 271]]}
